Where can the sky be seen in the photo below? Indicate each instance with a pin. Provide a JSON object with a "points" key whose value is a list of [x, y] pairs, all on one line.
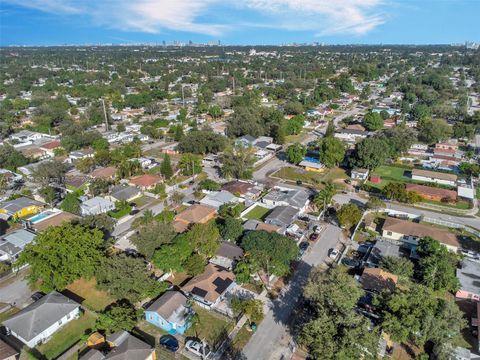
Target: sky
{"points": [[244, 22]]}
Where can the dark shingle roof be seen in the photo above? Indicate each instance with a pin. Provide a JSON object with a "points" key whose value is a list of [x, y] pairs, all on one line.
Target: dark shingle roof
{"points": [[130, 348]]}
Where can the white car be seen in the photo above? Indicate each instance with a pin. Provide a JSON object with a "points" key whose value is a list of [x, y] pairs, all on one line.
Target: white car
{"points": [[198, 348], [333, 253]]}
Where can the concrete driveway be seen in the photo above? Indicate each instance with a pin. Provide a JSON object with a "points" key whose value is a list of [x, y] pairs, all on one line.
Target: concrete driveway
{"points": [[15, 291], [272, 337]]}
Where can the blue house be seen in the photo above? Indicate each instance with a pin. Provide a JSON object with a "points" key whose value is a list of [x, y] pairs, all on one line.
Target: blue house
{"points": [[170, 312]]}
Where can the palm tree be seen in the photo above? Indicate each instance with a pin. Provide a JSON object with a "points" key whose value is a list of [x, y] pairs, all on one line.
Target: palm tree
{"points": [[325, 196]]}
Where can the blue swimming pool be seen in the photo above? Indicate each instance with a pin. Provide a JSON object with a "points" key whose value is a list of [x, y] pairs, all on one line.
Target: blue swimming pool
{"points": [[37, 218]]}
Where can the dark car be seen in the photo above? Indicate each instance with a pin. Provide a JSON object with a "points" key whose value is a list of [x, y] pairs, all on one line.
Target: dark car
{"points": [[134, 212], [169, 342], [37, 296], [299, 182], [303, 246], [313, 236], [351, 263]]}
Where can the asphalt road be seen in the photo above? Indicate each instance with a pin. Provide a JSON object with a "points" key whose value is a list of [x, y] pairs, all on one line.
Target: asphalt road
{"points": [[271, 339], [16, 292]]}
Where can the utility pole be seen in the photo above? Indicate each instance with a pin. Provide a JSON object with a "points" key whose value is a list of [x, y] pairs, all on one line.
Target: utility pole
{"points": [[234, 85], [183, 97], [105, 114]]}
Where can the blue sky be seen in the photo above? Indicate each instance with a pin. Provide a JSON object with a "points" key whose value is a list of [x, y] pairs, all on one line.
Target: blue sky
{"points": [[56, 22]]}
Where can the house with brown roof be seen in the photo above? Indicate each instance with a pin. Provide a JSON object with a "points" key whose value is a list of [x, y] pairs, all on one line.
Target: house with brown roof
{"points": [[377, 280], [195, 214], [50, 147], [434, 177], [238, 187], [106, 173], [410, 233], [432, 193], [145, 182], [7, 352], [208, 288]]}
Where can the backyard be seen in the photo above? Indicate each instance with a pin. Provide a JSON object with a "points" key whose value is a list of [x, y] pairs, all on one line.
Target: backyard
{"points": [[211, 326], [68, 336], [93, 298], [257, 213], [313, 178], [389, 174]]}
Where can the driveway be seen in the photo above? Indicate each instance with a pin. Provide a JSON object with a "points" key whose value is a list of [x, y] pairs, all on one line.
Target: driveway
{"points": [[272, 337], [15, 291]]}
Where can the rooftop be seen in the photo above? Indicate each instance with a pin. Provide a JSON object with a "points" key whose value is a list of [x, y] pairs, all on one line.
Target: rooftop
{"points": [[469, 276], [434, 175], [211, 284]]}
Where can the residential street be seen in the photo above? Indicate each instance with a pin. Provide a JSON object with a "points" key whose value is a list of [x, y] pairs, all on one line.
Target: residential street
{"points": [[271, 339]]}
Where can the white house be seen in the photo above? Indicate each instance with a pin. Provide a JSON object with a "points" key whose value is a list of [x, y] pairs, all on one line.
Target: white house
{"points": [[26, 136], [359, 174], [279, 196], [434, 177], [36, 323], [219, 198], [96, 205]]}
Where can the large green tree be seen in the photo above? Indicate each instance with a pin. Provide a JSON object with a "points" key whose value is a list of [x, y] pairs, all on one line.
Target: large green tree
{"points": [[371, 153], [332, 151], [62, 254], [295, 153], [349, 215], [151, 236], [237, 162], [166, 167], [373, 121]]}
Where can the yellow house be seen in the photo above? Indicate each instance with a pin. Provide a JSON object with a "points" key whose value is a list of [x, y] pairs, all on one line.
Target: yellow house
{"points": [[19, 208], [312, 166]]}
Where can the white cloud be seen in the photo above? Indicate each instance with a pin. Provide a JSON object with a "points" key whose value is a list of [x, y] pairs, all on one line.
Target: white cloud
{"points": [[322, 17]]}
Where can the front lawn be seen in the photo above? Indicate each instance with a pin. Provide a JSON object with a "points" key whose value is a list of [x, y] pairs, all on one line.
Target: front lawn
{"points": [[257, 213], [316, 179], [120, 213], [390, 174], [68, 336], [211, 326], [95, 299], [242, 337]]}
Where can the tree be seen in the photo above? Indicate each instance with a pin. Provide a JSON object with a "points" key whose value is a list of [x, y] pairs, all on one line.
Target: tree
{"points": [[231, 229], [371, 153], [205, 238], [295, 125], [190, 164], [251, 308], [48, 194], [271, 253], [10, 158], [118, 316], [400, 266], [324, 197], [215, 111], [293, 108], [179, 134], [121, 127], [398, 192], [98, 187], [420, 111], [373, 121], [100, 144], [349, 215], [50, 172], [166, 167], [296, 153], [71, 204], [332, 151], [195, 265], [151, 236], [230, 210], [375, 203], [330, 129], [126, 277], [61, 255], [237, 162], [171, 257], [432, 131], [85, 165], [202, 142], [437, 265], [209, 185], [101, 222]]}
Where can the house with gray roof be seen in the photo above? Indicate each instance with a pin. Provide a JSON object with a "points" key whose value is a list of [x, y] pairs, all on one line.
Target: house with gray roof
{"points": [[218, 198], [96, 205], [12, 244], [19, 207], [170, 312], [227, 255], [468, 274], [36, 323], [282, 216], [298, 199], [125, 346], [124, 193]]}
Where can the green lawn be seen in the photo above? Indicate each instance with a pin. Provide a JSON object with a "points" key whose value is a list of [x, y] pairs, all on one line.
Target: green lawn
{"points": [[316, 179], [68, 336], [257, 213], [242, 337], [95, 299], [461, 205], [121, 213], [211, 326], [7, 314], [389, 174]]}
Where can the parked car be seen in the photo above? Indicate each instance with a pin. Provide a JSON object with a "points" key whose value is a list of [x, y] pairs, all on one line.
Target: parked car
{"points": [[314, 237], [169, 342], [351, 263], [37, 296], [333, 253], [198, 348], [134, 212], [303, 246]]}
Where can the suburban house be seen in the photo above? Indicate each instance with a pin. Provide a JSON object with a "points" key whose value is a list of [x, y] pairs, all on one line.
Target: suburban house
{"points": [[96, 205], [7, 352], [253, 224], [81, 154], [50, 147], [19, 208], [298, 199], [35, 324], [218, 198], [432, 193], [466, 191], [49, 218], [10, 177], [241, 188], [469, 276], [379, 250], [311, 164], [434, 177], [377, 280], [410, 233], [227, 255], [124, 193], [12, 244], [145, 182], [195, 214], [282, 216], [359, 174], [24, 136], [208, 288], [105, 173], [350, 135], [170, 312], [125, 346]]}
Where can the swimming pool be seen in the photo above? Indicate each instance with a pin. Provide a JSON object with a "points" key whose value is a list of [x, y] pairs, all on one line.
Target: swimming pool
{"points": [[41, 216]]}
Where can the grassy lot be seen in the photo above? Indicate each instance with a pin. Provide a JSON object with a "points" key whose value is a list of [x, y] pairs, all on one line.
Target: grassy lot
{"points": [[143, 200], [68, 336], [242, 337], [9, 313], [257, 213], [87, 289], [211, 326], [461, 205], [311, 177], [390, 174], [121, 213]]}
